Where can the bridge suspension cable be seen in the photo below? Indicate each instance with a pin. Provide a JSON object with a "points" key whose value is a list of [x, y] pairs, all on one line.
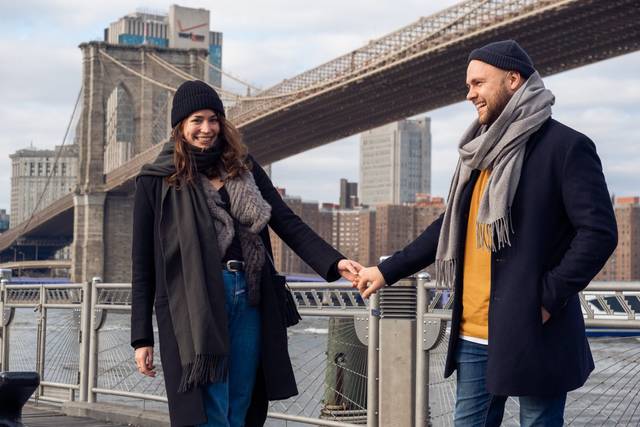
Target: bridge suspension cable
{"points": [[55, 163], [186, 76], [231, 76], [131, 70]]}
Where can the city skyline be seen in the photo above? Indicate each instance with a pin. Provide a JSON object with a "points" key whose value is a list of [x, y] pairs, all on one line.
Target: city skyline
{"points": [[599, 100]]}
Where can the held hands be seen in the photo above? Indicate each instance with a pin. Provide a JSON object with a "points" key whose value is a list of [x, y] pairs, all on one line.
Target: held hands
{"points": [[369, 280], [144, 361], [349, 269]]}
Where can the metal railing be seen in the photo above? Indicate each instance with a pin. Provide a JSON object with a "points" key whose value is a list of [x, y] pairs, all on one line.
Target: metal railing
{"points": [[77, 338]]}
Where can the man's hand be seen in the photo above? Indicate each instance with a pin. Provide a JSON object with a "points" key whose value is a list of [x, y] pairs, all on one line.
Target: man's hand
{"points": [[349, 269], [144, 361], [545, 315], [369, 280]]}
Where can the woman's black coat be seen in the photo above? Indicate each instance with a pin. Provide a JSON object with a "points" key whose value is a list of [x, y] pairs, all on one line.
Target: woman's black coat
{"points": [[565, 230], [275, 378]]}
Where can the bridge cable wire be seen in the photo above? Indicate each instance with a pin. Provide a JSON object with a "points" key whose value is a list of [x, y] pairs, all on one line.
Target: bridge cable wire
{"points": [[132, 71], [231, 76], [186, 76], [55, 163]]}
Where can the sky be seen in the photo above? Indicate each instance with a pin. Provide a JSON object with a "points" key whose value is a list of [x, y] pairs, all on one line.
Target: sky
{"points": [[267, 41]]}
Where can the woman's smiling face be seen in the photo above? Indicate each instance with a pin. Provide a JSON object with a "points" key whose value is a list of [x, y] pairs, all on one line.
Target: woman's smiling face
{"points": [[201, 128]]}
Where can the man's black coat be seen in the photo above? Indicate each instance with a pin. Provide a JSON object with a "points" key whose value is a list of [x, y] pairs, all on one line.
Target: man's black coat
{"points": [[565, 230], [275, 378]]}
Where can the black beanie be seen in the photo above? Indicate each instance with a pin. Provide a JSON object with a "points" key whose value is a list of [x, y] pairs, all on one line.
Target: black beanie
{"points": [[193, 96], [505, 54]]}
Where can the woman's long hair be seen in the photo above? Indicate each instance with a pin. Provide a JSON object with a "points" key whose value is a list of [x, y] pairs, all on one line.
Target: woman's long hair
{"points": [[234, 154]]}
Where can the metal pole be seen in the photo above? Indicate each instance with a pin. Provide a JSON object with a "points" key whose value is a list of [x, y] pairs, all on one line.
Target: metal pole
{"points": [[42, 338], [372, 362], [85, 339], [5, 339], [93, 344], [422, 356]]}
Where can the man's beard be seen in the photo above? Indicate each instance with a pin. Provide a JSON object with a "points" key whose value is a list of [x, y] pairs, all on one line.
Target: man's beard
{"points": [[501, 101]]}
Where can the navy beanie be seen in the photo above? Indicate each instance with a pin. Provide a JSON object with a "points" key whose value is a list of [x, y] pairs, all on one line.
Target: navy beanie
{"points": [[505, 54], [193, 96]]}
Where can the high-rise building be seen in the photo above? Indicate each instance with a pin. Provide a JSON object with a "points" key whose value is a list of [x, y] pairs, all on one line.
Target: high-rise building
{"points": [[4, 220], [348, 194], [398, 225], [353, 233], [624, 263], [395, 162], [38, 179], [284, 258], [182, 27]]}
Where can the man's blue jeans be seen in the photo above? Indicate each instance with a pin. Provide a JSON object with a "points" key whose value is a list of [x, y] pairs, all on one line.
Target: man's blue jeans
{"points": [[226, 403], [476, 407]]}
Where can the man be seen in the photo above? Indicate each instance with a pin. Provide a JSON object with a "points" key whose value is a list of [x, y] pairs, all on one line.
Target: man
{"points": [[528, 224]]}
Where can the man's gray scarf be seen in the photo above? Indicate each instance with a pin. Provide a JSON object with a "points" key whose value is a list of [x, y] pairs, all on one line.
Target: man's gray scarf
{"points": [[252, 213], [501, 148]]}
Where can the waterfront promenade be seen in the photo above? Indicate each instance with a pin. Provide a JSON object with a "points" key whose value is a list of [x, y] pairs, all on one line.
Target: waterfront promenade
{"points": [[334, 319]]}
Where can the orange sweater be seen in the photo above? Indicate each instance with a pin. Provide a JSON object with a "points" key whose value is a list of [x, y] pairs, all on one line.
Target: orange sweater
{"points": [[476, 273]]}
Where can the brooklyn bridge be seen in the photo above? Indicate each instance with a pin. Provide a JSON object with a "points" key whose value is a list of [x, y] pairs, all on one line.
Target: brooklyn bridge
{"points": [[414, 69]]}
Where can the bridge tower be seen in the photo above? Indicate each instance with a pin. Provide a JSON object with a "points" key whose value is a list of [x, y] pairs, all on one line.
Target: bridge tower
{"points": [[125, 111]]}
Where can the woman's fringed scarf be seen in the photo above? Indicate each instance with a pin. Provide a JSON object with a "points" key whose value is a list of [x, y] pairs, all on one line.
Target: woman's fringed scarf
{"points": [[501, 148], [192, 276]]}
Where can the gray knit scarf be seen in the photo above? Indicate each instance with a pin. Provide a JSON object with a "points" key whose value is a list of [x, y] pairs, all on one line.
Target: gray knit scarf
{"points": [[252, 213], [501, 148]]}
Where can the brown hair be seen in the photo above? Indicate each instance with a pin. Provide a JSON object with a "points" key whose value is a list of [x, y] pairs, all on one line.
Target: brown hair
{"points": [[234, 154]]}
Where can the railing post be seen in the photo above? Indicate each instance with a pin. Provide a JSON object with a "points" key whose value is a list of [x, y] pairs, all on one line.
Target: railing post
{"points": [[372, 362], [4, 343], [93, 342], [422, 355], [85, 339], [41, 334]]}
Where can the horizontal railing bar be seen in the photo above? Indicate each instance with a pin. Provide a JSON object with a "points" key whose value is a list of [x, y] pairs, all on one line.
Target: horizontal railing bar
{"points": [[36, 286], [114, 307], [61, 306], [331, 312], [112, 286], [130, 394], [59, 385], [308, 420]]}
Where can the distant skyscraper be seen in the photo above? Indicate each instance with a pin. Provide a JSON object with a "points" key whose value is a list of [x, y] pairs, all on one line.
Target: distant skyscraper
{"points": [[32, 171], [4, 220], [395, 162], [348, 194], [183, 27]]}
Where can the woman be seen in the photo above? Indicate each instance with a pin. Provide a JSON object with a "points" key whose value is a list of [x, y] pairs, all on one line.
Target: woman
{"points": [[202, 255]]}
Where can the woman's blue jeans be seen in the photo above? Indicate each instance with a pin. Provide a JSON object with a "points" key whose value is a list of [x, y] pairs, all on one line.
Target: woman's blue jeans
{"points": [[476, 407], [226, 403]]}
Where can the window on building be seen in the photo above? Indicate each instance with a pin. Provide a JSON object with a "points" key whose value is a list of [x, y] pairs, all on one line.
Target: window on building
{"points": [[39, 168], [31, 169]]}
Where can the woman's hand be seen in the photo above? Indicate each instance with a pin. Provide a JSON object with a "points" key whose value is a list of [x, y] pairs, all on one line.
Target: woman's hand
{"points": [[349, 269], [144, 361], [369, 280]]}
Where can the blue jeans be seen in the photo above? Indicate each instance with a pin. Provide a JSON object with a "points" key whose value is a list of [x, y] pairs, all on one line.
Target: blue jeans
{"points": [[226, 402], [476, 407]]}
